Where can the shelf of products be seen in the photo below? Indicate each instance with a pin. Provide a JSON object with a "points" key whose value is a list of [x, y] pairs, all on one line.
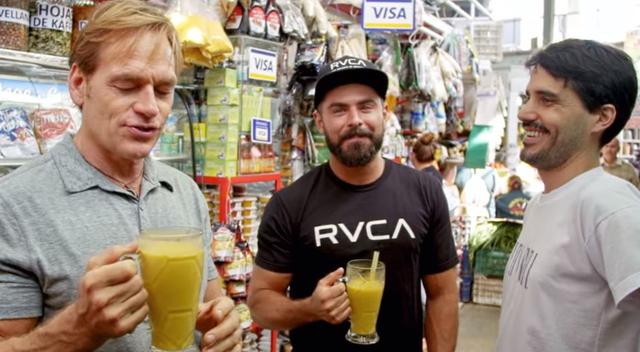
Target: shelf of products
{"points": [[224, 187], [49, 61]]}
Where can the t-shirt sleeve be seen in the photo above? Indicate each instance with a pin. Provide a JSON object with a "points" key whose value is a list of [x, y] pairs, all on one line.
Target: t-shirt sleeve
{"points": [[212, 273], [438, 248], [614, 253], [275, 242], [20, 294]]}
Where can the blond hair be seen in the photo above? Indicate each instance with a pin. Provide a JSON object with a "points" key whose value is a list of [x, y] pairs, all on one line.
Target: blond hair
{"points": [[121, 21]]}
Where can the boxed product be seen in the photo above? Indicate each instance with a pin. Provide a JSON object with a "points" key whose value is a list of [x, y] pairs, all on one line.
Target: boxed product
{"points": [[221, 77], [223, 114], [223, 132], [221, 151], [223, 96], [220, 168]]}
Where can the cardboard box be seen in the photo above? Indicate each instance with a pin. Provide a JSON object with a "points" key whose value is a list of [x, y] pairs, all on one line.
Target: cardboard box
{"points": [[227, 168], [223, 114], [221, 77], [223, 96], [223, 132], [221, 151]]}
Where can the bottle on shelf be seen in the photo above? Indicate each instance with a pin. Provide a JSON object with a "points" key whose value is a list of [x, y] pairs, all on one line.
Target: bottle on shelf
{"points": [[274, 21], [238, 21], [257, 20]]}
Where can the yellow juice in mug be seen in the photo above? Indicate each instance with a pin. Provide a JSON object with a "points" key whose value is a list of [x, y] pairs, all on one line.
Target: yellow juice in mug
{"points": [[364, 297], [172, 274]]}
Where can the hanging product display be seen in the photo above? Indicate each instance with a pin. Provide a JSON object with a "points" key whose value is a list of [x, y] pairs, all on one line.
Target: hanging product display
{"points": [[274, 21], [238, 20], [257, 18]]}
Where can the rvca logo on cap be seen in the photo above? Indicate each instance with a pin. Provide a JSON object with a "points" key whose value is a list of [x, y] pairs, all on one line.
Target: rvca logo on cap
{"points": [[349, 62]]}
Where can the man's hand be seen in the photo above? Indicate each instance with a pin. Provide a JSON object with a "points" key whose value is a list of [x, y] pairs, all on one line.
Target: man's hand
{"points": [[111, 298], [329, 300], [220, 325]]}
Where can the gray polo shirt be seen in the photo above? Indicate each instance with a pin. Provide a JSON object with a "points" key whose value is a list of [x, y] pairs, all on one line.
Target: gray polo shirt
{"points": [[58, 211]]}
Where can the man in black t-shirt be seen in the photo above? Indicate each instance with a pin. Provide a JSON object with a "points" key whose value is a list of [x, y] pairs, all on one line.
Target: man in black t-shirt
{"points": [[345, 209]]}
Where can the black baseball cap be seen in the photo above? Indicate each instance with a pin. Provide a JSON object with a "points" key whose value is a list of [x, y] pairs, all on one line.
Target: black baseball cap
{"points": [[348, 70]]}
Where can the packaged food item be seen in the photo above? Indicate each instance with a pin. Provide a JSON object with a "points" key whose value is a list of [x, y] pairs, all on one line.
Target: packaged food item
{"points": [[16, 135], [50, 25], [50, 126], [237, 289], [14, 24], [244, 314], [236, 269], [222, 245]]}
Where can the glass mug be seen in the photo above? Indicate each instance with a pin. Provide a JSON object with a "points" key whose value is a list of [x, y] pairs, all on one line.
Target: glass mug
{"points": [[364, 289], [171, 262]]}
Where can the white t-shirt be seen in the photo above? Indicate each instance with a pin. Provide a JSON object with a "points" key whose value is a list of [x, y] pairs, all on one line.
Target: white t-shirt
{"points": [[573, 280]]}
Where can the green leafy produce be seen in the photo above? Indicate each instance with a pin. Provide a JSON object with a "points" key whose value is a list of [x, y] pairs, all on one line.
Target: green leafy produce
{"points": [[494, 234]]}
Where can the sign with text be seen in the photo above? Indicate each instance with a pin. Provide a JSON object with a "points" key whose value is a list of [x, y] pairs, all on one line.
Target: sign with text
{"points": [[263, 65], [260, 131], [388, 15]]}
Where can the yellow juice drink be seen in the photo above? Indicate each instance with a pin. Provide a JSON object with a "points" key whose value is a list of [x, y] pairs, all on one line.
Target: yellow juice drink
{"points": [[364, 298], [172, 275]]}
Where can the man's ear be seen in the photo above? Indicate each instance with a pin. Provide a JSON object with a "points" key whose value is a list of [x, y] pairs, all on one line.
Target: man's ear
{"points": [[318, 120], [77, 82], [606, 115]]}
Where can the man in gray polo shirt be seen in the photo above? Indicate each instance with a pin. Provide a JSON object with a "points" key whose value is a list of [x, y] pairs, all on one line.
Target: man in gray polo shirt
{"points": [[67, 218]]}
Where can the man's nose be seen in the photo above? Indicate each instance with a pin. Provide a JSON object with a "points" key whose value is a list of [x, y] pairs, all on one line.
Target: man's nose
{"points": [[354, 118], [146, 102]]}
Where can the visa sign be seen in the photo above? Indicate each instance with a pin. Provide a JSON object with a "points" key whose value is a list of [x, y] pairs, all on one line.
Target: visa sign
{"points": [[263, 65], [388, 15]]}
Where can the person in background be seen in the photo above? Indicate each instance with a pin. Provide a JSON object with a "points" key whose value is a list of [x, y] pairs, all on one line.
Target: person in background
{"points": [[611, 164], [572, 282], [423, 155], [346, 209], [68, 217], [512, 204]]}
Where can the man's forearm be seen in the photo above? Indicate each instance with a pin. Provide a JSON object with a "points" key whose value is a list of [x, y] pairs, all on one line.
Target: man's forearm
{"points": [[61, 333], [274, 310], [441, 323]]}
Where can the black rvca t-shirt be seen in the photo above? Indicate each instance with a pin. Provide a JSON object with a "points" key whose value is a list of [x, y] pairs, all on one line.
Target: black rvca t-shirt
{"points": [[319, 223]]}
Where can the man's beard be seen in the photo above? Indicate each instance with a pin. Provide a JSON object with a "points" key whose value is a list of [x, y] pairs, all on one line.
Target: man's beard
{"points": [[358, 153], [557, 152]]}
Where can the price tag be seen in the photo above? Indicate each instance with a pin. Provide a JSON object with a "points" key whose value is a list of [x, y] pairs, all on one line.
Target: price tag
{"points": [[260, 130], [388, 15], [263, 65]]}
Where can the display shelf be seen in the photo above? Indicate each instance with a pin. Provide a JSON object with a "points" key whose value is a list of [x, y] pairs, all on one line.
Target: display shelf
{"points": [[51, 61], [15, 162], [225, 183], [170, 158]]}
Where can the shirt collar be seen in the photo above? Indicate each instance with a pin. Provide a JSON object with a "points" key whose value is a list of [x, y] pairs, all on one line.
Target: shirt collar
{"points": [[78, 175]]}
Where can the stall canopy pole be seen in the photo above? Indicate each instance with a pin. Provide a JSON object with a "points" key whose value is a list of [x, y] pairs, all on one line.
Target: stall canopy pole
{"points": [[457, 9], [549, 16], [482, 9]]}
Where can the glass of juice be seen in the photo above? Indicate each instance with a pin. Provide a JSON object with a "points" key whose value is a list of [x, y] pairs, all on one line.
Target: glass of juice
{"points": [[171, 262], [364, 288]]}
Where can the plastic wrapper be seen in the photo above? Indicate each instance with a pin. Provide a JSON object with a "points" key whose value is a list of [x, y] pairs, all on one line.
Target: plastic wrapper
{"points": [[293, 23], [222, 245], [236, 269], [50, 126], [237, 289], [17, 139], [201, 34], [245, 315]]}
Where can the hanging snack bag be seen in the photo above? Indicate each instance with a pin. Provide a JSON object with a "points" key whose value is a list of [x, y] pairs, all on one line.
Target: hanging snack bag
{"points": [[236, 269], [16, 135], [50, 126], [222, 245]]}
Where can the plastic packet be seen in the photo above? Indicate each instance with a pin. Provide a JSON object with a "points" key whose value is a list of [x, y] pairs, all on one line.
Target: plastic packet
{"points": [[17, 139], [222, 245], [50, 126]]}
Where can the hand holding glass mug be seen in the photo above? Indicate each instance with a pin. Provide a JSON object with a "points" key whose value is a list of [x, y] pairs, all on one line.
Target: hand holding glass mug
{"points": [[365, 284]]}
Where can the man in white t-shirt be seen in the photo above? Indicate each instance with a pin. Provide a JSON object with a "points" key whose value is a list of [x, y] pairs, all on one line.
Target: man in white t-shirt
{"points": [[573, 279]]}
